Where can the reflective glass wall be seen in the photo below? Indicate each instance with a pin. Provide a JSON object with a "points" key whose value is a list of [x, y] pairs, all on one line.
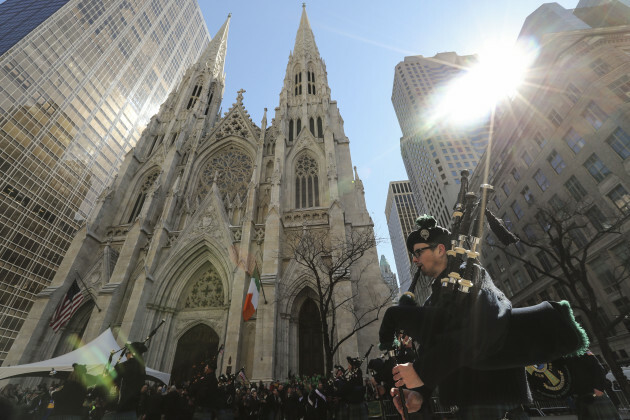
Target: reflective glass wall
{"points": [[76, 91]]}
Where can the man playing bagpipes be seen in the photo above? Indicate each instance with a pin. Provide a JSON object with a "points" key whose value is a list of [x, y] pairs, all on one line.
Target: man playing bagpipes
{"points": [[472, 344]]}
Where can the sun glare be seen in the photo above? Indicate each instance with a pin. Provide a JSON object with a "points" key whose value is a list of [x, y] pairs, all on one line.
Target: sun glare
{"points": [[497, 75]]}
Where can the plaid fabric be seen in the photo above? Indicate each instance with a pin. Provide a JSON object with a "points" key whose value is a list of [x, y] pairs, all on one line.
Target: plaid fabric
{"points": [[492, 412], [123, 415], [597, 408]]}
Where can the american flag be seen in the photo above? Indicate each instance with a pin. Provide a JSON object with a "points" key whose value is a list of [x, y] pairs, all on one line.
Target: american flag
{"points": [[67, 307]]}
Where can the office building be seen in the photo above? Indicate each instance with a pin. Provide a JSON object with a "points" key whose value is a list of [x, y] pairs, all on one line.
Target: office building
{"points": [[401, 212], [389, 277], [434, 151], [79, 81], [563, 148]]}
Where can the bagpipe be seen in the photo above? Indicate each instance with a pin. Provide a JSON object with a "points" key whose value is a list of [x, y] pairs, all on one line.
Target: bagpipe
{"points": [[534, 334]]}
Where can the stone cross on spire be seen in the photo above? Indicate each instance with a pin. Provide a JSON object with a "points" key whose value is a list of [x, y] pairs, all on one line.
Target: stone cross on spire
{"points": [[239, 97]]}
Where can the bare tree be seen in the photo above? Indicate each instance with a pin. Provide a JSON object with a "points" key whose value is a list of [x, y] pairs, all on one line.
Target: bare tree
{"points": [[328, 261], [563, 250]]}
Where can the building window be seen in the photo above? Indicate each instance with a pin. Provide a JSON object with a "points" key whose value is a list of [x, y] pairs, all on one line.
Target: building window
{"points": [[540, 140], [556, 161], [527, 195], [311, 125], [507, 221], [619, 140], [520, 280], [520, 248], [306, 183], [320, 130], [555, 118], [579, 239], [499, 263], [594, 115], [516, 208], [544, 261], [542, 221], [516, 174], [291, 130], [596, 168], [497, 202], [541, 180], [597, 218], [311, 82], [576, 189], [621, 87], [621, 198], [194, 96], [298, 83], [527, 159], [506, 188], [298, 127], [574, 140], [142, 195], [531, 272], [530, 232], [623, 306], [556, 202], [573, 93], [601, 268], [600, 67]]}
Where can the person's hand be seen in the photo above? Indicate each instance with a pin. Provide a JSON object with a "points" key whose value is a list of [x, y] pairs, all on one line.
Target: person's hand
{"points": [[413, 400], [597, 392], [405, 374]]}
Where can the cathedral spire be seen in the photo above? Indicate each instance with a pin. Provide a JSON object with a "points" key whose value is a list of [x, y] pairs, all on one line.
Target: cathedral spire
{"points": [[304, 40], [214, 54]]}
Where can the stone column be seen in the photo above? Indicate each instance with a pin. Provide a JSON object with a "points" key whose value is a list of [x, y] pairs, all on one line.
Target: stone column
{"points": [[264, 350]]}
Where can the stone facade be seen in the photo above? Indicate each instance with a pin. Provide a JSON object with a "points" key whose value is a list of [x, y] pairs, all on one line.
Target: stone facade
{"points": [[564, 145], [198, 204]]}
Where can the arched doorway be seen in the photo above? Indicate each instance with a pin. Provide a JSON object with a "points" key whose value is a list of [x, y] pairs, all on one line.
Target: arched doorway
{"points": [[72, 333], [310, 340], [197, 345]]}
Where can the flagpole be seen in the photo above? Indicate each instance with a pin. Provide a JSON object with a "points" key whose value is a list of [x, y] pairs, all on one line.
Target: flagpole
{"points": [[261, 283], [87, 290]]}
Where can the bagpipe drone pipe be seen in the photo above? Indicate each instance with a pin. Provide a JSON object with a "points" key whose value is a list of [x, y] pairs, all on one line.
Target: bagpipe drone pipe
{"points": [[530, 335]]}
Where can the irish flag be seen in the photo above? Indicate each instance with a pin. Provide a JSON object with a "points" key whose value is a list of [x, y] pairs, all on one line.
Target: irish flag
{"points": [[251, 300]]}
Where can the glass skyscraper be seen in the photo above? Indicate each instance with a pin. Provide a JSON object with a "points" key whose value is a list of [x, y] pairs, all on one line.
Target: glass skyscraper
{"points": [[79, 80], [434, 153]]}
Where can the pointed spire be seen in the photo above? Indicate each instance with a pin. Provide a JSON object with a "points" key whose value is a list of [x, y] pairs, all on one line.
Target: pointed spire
{"points": [[214, 54], [304, 40]]}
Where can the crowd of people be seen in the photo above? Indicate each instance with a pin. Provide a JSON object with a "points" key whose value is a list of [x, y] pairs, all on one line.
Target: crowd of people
{"points": [[203, 396]]}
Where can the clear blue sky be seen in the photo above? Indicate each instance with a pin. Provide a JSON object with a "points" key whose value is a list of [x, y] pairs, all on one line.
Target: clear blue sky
{"points": [[361, 43]]}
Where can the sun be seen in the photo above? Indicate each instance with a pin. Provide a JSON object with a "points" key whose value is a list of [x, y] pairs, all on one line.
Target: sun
{"points": [[498, 73]]}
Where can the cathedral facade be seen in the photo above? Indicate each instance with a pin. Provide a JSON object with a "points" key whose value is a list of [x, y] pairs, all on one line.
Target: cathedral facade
{"points": [[201, 203]]}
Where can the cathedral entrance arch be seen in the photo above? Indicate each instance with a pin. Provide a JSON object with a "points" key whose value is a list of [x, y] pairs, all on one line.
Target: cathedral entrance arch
{"points": [[194, 347], [310, 340]]}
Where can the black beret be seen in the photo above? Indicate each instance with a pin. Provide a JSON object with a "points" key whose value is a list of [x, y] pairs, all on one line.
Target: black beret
{"points": [[354, 362], [427, 231], [136, 348]]}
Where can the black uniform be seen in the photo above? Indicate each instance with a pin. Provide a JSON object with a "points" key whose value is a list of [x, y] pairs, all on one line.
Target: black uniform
{"points": [[456, 338]]}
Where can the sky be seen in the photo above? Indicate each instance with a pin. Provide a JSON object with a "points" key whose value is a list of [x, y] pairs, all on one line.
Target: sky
{"points": [[361, 43]]}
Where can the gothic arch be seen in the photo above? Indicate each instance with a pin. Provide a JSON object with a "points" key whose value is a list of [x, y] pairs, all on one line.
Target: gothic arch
{"points": [[175, 274], [204, 290], [297, 80], [136, 196], [235, 166], [72, 332], [307, 181], [198, 342]]}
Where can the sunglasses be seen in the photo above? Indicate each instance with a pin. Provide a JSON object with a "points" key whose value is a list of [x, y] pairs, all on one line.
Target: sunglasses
{"points": [[416, 253]]}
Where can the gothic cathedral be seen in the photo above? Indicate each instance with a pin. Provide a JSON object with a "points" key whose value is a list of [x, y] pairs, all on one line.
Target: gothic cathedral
{"points": [[201, 203]]}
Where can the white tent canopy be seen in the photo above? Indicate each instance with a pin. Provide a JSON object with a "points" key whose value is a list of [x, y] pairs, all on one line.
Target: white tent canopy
{"points": [[94, 355]]}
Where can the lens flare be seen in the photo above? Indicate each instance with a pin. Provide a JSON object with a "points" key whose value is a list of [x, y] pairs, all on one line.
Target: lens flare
{"points": [[497, 75]]}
